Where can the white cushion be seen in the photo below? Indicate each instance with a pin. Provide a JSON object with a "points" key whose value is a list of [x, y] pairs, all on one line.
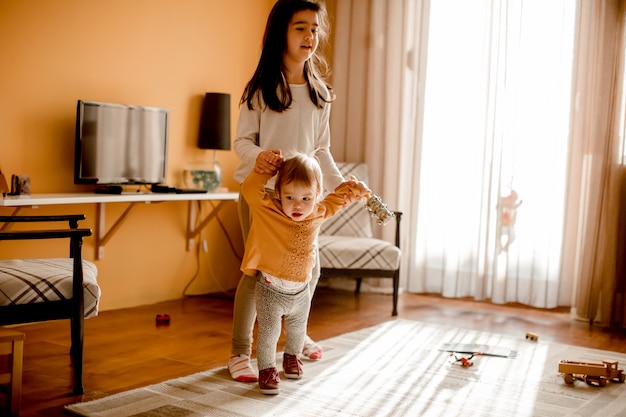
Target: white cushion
{"points": [[24, 281], [345, 252], [346, 240]]}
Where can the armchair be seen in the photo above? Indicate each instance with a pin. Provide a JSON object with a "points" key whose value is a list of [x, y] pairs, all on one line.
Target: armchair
{"points": [[347, 246], [44, 289]]}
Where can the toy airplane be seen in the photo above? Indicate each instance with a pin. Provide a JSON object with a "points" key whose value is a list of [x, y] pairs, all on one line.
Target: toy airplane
{"points": [[463, 361], [477, 349]]}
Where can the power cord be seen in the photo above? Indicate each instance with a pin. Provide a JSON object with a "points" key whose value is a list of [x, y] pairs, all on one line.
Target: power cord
{"points": [[198, 252]]}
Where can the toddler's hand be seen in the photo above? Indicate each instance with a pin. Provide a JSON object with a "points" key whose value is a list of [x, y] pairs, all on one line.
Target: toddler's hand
{"points": [[268, 162], [358, 191]]}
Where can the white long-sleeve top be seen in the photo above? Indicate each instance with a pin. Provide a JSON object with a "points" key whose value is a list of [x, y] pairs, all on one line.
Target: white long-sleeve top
{"points": [[301, 128]]}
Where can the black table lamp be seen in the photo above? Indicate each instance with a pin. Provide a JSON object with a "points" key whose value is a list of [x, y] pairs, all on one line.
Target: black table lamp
{"points": [[215, 122], [214, 134]]}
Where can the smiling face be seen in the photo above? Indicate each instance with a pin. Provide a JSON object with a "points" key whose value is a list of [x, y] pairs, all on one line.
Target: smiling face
{"points": [[302, 36], [298, 200]]}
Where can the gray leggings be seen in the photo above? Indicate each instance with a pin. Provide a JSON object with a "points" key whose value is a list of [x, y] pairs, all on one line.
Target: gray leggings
{"points": [[244, 309], [271, 307]]}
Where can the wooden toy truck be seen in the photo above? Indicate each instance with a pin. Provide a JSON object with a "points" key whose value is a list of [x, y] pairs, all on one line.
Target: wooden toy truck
{"points": [[591, 373]]}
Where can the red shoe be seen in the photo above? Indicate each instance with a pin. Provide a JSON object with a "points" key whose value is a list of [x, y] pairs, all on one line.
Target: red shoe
{"points": [[292, 366], [269, 381]]}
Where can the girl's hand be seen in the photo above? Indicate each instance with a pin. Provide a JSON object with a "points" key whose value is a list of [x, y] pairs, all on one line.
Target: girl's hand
{"points": [[268, 162], [358, 191]]}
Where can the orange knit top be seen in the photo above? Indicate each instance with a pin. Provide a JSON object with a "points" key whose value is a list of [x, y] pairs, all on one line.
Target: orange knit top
{"points": [[276, 244]]}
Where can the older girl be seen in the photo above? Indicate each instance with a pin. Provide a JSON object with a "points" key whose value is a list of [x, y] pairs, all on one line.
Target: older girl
{"points": [[286, 106]]}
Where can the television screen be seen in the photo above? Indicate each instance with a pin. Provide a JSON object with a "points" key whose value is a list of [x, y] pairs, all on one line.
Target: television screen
{"points": [[120, 144]]}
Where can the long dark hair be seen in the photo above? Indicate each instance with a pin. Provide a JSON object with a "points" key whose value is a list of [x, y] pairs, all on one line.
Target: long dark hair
{"points": [[269, 78]]}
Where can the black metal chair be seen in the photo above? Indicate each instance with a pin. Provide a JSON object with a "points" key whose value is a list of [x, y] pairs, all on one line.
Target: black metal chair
{"points": [[43, 289]]}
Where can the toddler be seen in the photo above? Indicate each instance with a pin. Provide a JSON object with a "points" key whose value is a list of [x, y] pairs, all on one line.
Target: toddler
{"points": [[280, 252]]}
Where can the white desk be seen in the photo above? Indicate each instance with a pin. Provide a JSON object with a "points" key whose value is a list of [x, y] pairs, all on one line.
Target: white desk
{"points": [[102, 235]]}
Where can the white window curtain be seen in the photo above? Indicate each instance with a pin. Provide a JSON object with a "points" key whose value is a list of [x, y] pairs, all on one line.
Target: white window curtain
{"points": [[493, 160], [467, 109]]}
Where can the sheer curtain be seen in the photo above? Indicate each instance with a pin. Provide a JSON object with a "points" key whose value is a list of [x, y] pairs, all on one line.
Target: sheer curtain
{"points": [[480, 117], [494, 151]]}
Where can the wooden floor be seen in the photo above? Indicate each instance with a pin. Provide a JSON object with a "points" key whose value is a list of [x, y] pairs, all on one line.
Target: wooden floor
{"points": [[125, 349]]}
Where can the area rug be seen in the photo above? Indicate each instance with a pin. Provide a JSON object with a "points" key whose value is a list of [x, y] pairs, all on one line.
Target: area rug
{"points": [[397, 368]]}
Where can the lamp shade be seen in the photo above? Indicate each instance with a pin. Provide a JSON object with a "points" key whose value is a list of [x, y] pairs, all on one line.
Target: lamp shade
{"points": [[215, 122]]}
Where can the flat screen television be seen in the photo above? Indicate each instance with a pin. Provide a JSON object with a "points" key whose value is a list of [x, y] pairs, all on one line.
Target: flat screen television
{"points": [[119, 144]]}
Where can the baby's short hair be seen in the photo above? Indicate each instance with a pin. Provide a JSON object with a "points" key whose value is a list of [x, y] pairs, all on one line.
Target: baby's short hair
{"points": [[300, 168]]}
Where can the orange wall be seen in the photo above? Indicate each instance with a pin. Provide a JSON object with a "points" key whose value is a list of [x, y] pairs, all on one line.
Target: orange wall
{"points": [[164, 53]]}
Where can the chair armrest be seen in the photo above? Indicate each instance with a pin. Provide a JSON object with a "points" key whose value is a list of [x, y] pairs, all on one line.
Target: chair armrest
{"points": [[398, 216], [45, 234], [75, 234], [71, 218]]}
